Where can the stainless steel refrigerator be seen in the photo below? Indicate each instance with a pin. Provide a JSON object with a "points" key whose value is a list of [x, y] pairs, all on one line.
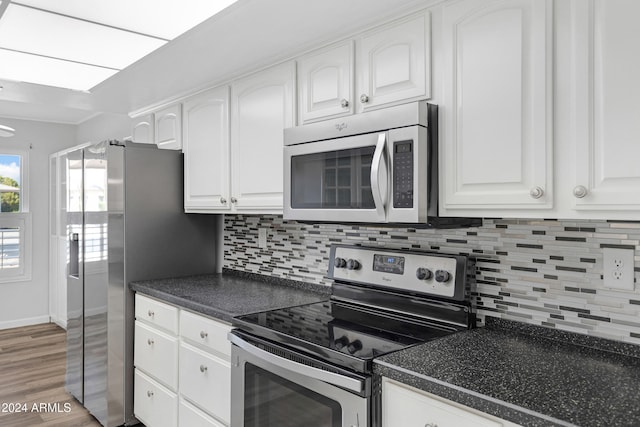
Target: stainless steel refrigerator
{"points": [[125, 222]]}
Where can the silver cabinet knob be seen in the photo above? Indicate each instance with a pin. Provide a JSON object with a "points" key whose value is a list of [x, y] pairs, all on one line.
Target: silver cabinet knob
{"points": [[203, 334], [234, 200], [223, 201], [203, 368], [150, 341], [580, 191], [536, 192], [149, 393], [150, 313], [364, 98], [344, 103]]}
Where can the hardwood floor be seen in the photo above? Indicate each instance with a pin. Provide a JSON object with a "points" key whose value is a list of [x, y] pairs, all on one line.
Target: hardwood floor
{"points": [[32, 371]]}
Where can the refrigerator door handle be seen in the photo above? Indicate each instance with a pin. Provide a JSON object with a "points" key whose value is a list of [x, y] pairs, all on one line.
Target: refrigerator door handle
{"points": [[74, 255]]}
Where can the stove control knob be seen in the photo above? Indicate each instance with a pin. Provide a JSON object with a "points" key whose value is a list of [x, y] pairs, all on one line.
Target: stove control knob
{"points": [[442, 276], [423, 273], [339, 262], [352, 264], [354, 346], [341, 342]]}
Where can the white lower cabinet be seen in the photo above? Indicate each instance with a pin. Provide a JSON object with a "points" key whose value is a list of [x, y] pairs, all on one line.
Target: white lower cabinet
{"points": [[205, 380], [190, 416], [154, 405], [183, 370], [410, 407], [157, 354]]}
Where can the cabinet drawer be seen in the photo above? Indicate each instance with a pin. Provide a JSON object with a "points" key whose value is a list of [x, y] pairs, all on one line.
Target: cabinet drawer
{"points": [[206, 332], [153, 404], [189, 415], [205, 380], [156, 353], [417, 409], [156, 313]]}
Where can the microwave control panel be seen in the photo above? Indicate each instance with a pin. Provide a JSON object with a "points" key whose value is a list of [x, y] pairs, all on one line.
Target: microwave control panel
{"points": [[403, 174]]}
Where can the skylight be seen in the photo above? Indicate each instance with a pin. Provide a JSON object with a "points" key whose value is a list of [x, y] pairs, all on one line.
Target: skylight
{"points": [[77, 44]]}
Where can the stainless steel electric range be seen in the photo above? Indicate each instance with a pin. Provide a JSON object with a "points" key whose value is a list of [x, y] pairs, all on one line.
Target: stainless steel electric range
{"points": [[311, 365]]}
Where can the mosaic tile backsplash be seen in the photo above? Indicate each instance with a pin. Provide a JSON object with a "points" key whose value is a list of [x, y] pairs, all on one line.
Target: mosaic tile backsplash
{"points": [[542, 272]]}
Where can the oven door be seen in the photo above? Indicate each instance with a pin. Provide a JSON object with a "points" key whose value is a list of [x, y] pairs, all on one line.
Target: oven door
{"points": [[269, 390], [343, 179]]}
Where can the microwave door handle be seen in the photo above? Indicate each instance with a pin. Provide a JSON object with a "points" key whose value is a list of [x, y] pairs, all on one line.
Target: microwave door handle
{"points": [[379, 186]]}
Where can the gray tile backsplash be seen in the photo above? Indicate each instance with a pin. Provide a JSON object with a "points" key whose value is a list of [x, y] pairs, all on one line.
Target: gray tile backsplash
{"points": [[542, 272]]}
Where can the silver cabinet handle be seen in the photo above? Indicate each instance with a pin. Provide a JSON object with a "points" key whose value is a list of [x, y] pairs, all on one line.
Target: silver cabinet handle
{"points": [[580, 191], [150, 341], [203, 334], [234, 200], [150, 313], [431, 425], [536, 192], [203, 368], [223, 201], [364, 98], [344, 103], [149, 393]]}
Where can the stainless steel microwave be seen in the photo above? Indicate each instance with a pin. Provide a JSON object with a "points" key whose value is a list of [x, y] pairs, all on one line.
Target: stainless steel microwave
{"points": [[376, 167]]}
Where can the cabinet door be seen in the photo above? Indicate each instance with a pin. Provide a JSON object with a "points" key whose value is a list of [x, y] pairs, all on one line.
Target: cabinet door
{"points": [[153, 404], [206, 151], [393, 64], [168, 128], [326, 84], [205, 380], [156, 354], [142, 130], [417, 409], [606, 108], [497, 104], [262, 107]]}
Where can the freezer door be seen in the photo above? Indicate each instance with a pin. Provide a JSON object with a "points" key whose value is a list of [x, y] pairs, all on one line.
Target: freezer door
{"points": [[95, 281], [75, 274]]}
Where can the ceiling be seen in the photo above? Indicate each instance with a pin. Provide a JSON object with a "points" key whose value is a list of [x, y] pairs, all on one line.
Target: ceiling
{"points": [[81, 44]]}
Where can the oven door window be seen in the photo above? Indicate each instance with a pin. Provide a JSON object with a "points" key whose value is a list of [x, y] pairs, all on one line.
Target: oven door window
{"points": [[271, 400], [333, 180]]}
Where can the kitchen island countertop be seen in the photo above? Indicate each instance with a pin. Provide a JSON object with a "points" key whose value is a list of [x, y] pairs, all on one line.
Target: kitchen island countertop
{"points": [[230, 293], [529, 375]]}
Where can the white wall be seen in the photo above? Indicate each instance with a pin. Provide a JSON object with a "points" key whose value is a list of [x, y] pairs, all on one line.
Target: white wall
{"points": [[104, 126], [23, 303]]}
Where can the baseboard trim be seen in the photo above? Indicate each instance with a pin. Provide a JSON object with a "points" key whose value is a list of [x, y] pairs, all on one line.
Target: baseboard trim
{"points": [[24, 322]]}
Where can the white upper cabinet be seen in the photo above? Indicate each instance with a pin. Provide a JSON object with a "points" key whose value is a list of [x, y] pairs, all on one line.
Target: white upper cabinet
{"points": [[142, 130], [497, 105], [262, 106], [325, 82], [394, 63], [168, 127], [606, 111], [206, 151]]}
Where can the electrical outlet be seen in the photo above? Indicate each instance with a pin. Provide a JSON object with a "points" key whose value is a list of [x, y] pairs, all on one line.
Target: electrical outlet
{"points": [[262, 238], [618, 268]]}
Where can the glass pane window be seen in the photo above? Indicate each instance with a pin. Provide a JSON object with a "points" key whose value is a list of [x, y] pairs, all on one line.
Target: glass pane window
{"points": [[10, 177], [15, 220], [9, 247]]}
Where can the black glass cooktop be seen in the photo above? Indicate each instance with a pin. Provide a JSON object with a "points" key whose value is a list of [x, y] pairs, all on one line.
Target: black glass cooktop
{"points": [[339, 332]]}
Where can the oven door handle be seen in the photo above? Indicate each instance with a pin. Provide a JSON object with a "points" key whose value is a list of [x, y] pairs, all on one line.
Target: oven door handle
{"points": [[351, 384], [379, 187]]}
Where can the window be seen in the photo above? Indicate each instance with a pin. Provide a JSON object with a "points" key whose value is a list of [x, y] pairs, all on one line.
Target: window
{"points": [[15, 220]]}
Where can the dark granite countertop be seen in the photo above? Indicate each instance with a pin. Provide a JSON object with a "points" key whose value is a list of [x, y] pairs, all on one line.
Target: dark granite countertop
{"points": [[526, 374], [231, 293]]}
